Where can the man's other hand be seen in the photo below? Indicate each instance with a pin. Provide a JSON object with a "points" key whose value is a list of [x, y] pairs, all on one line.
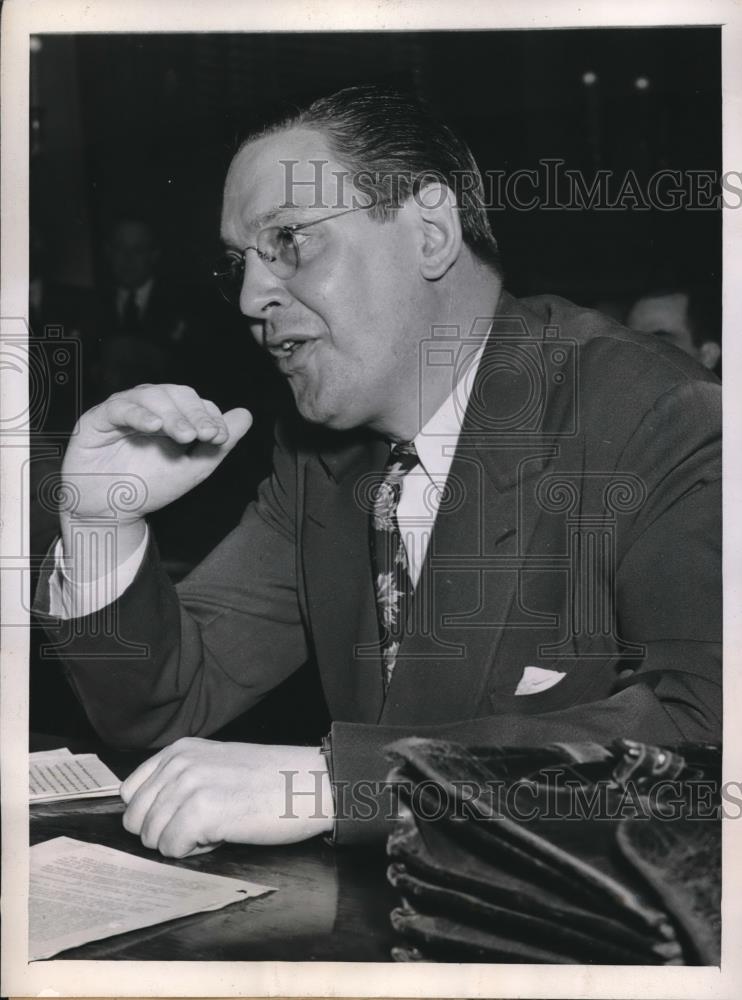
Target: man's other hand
{"points": [[164, 434], [196, 793]]}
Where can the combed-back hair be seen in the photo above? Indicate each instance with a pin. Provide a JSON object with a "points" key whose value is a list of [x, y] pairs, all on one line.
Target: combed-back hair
{"points": [[393, 146]]}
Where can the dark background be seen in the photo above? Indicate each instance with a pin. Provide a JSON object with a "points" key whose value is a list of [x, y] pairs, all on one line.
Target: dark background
{"points": [[151, 121], [147, 124]]}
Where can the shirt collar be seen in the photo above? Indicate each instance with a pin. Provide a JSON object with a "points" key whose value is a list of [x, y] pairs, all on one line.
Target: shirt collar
{"points": [[141, 295], [437, 440]]}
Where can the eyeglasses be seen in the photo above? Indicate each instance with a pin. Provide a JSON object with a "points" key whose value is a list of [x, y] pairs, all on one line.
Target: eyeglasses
{"points": [[278, 249]]}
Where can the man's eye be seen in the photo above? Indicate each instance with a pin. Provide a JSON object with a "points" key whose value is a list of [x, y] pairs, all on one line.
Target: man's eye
{"points": [[310, 241], [284, 238], [300, 237]]}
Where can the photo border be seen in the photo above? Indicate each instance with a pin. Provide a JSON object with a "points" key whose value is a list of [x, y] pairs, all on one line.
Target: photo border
{"points": [[20, 20]]}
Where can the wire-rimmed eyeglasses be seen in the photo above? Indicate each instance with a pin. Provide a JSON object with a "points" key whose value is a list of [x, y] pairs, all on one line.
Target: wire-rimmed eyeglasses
{"points": [[276, 246]]}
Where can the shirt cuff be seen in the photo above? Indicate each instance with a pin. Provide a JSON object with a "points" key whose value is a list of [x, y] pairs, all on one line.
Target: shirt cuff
{"points": [[71, 599], [326, 751]]}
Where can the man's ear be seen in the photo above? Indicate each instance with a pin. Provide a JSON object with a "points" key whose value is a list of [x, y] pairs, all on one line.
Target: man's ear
{"points": [[440, 227], [709, 353]]}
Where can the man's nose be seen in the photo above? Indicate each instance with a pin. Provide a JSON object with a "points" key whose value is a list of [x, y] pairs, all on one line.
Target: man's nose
{"points": [[261, 290]]}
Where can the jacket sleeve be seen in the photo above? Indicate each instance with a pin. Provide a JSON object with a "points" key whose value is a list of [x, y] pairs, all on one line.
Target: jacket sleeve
{"points": [[164, 662], [668, 595]]}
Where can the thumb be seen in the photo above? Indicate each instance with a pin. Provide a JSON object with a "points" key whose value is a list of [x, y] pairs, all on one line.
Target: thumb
{"points": [[239, 422], [203, 849]]}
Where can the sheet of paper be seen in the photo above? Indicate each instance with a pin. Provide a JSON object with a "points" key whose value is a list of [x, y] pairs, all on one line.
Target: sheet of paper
{"points": [[59, 753], [82, 892], [73, 777]]}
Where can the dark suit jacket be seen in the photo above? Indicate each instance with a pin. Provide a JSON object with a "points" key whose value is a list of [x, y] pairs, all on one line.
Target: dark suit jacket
{"points": [[163, 321], [582, 535]]}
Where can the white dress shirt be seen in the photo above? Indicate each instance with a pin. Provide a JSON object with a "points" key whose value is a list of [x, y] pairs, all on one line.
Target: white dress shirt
{"points": [[423, 487], [141, 297], [420, 499]]}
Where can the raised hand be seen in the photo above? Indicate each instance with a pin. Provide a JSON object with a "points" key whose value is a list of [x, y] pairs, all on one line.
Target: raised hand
{"points": [[164, 434]]}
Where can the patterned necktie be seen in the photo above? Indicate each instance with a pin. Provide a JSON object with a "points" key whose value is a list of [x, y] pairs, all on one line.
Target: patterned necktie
{"points": [[389, 557]]}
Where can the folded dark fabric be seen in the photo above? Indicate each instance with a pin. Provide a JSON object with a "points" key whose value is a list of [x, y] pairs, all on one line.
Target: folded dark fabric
{"points": [[681, 860], [439, 935], [577, 944], [477, 880], [486, 893]]}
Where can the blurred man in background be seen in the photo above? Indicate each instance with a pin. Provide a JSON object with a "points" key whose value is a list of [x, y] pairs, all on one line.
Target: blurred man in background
{"points": [[688, 318], [144, 321]]}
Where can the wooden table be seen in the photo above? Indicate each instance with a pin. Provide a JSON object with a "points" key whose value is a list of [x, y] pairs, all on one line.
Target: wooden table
{"points": [[331, 904]]}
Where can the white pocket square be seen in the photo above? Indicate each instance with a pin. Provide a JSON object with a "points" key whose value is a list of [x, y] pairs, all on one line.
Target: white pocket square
{"points": [[536, 679]]}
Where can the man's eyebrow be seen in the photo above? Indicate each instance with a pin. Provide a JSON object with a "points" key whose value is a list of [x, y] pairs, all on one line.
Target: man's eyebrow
{"points": [[265, 218], [273, 215]]}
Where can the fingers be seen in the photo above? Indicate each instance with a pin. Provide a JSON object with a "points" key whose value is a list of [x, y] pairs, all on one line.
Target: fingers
{"points": [[172, 813], [137, 778], [165, 819], [126, 413], [157, 799], [149, 811], [182, 834], [194, 417], [175, 410], [141, 802], [168, 807], [238, 423]]}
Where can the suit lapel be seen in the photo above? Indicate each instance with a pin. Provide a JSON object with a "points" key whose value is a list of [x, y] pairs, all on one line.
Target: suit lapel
{"points": [[466, 596], [339, 584]]}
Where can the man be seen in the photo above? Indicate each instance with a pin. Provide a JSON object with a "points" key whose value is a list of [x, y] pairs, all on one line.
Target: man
{"points": [[688, 318], [554, 479], [143, 322]]}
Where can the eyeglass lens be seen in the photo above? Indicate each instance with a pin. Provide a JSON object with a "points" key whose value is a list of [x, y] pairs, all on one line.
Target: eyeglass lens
{"points": [[276, 247]]}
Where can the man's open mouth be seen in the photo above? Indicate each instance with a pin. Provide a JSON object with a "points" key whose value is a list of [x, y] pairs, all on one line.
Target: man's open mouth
{"points": [[289, 349]]}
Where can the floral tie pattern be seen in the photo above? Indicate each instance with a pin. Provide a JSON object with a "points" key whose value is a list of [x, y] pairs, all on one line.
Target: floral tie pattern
{"points": [[389, 557]]}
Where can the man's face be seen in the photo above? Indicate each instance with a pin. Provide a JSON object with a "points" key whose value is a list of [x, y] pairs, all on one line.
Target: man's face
{"points": [[353, 307], [667, 317], [133, 254]]}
